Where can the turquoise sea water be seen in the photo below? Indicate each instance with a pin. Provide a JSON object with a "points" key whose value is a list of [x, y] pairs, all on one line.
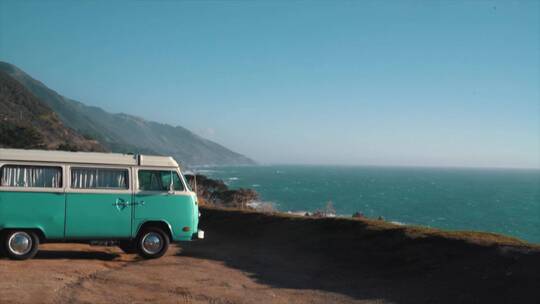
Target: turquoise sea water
{"points": [[497, 200]]}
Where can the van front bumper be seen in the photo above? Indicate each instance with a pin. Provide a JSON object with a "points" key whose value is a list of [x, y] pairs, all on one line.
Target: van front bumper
{"points": [[199, 235]]}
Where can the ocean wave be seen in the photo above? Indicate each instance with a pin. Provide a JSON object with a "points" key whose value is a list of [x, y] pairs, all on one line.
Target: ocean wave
{"points": [[205, 171], [263, 205]]}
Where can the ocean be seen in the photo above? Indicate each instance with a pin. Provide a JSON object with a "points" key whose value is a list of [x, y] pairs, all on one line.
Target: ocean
{"points": [[504, 201]]}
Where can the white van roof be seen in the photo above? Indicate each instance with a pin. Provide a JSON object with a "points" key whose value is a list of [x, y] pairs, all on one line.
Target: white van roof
{"points": [[86, 158]]}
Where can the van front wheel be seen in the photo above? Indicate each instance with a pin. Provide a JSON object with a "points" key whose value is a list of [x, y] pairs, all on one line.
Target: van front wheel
{"points": [[152, 243], [20, 244]]}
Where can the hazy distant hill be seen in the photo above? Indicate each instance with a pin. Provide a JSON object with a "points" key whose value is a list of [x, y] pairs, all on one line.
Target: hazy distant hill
{"points": [[26, 122], [127, 133]]}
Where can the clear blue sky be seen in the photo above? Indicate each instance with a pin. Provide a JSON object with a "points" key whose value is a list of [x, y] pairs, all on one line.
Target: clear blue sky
{"points": [[435, 83]]}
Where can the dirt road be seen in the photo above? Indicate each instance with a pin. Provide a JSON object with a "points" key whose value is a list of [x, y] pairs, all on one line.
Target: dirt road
{"points": [[253, 258], [73, 273]]}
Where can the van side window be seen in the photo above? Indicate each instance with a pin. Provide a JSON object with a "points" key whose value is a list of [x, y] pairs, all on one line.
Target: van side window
{"points": [[99, 178], [31, 176], [154, 180]]}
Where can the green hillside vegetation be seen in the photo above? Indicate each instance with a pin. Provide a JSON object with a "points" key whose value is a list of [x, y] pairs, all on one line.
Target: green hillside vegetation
{"points": [[25, 122], [127, 133]]}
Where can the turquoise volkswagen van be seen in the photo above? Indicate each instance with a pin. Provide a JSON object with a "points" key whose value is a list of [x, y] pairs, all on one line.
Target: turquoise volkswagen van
{"points": [[140, 202]]}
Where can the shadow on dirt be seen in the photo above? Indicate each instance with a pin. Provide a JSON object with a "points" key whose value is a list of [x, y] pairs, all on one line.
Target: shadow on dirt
{"points": [[351, 258], [75, 255]]}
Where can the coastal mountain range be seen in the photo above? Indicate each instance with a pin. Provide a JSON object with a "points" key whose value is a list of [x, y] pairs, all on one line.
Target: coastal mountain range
{"points": [[88, 128], [26, 122]]}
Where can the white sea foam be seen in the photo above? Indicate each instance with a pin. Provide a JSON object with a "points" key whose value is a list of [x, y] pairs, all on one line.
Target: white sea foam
{"points": [[254, 204], [262, 205], [205, 171], [298, 212]]}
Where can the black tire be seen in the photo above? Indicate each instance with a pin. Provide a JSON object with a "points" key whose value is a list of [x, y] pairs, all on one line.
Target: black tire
{"points": [[152, 232], [127, 247], [12, 252]]}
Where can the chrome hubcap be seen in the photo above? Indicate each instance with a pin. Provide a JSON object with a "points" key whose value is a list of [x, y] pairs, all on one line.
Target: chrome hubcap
{"points": [[20, 243], [152, 243]]}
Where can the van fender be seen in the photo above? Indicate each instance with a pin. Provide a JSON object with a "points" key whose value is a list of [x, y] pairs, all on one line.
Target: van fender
{"points": [[38, 230], [166, 226]]}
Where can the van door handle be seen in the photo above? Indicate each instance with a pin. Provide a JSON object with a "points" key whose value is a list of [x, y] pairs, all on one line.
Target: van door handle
{"points": [[138, 203], [121, 202]]}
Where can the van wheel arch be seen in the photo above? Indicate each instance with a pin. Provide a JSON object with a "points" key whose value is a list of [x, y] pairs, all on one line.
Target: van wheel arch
{"points": [[37, 231], [157, 224]]}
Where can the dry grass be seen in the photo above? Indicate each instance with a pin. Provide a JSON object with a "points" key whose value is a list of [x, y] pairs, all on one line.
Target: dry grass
{"points": [[368, 258], [412, 231]]}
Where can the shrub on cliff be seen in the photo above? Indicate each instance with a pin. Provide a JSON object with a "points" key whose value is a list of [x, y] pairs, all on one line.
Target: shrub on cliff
{"points": [[16, 136]]}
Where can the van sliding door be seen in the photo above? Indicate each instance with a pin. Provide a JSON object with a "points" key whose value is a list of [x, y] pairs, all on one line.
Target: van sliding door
{"points": [[98, 203]]}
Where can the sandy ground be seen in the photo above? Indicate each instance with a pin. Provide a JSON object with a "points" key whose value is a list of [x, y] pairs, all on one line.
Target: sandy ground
{"points": [[75, 273], [255, 258]]}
